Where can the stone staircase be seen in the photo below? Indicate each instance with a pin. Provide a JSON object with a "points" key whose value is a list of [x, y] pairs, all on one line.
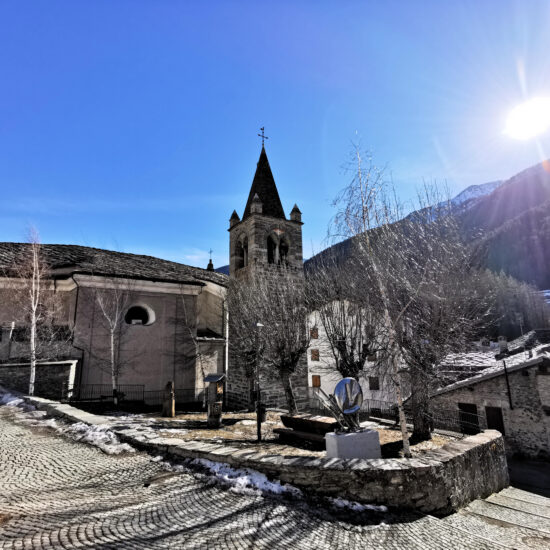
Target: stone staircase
{"points": [[512, 518]]}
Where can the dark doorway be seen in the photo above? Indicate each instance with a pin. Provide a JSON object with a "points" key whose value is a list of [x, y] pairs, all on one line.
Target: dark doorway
{"points": [[468, 419], [495, 420]]}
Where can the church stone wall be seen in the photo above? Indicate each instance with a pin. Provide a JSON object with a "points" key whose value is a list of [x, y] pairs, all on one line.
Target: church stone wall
{"points": [[51, 379]]}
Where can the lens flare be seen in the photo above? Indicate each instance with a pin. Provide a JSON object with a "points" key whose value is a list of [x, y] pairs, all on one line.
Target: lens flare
{"points": [[530, 119]]}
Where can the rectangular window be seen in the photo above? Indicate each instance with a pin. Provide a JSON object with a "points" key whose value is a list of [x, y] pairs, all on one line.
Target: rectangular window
{"points": [[374, 383], [494, 419], [314, 333], [316, 381], [315, 355]]}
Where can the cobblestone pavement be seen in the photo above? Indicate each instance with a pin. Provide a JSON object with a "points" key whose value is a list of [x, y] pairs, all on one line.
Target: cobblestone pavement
{"points": [[55, 493]]}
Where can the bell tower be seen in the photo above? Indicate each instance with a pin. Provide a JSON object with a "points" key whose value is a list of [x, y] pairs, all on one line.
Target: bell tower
{"points": [[264, 240]]}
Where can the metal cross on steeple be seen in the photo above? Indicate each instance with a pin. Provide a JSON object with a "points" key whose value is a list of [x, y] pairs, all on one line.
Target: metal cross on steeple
{"points": [[262, 135], [210, 251]]}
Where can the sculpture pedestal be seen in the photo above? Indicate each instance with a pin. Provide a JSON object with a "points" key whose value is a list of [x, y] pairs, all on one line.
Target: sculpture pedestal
{"points": [[364, 444]]}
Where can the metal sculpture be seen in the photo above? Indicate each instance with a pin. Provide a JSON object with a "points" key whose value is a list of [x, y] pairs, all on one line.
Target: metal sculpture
{"points": [[344, 404]]}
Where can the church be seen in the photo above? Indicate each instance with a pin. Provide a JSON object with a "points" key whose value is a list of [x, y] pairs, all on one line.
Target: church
{"points": [[174, 325]]}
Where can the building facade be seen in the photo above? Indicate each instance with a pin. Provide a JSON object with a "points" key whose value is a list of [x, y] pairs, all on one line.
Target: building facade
{"points": [[170, 320], [512, 397]]}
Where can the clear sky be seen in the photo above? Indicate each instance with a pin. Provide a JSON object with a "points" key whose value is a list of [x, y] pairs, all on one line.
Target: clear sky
{"points": [[131, 125]]}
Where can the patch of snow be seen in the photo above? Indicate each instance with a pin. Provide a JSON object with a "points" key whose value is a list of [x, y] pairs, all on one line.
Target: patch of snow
{"points": [[239, 480], [339, 502], [10, 400], [98, 436], [246, 422]]}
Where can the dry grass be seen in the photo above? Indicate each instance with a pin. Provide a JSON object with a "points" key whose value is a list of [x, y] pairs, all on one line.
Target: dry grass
{"points": [[239, 430]]}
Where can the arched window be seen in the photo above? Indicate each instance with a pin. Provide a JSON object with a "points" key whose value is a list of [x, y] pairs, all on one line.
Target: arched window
{"points": [[271, 250], [140, 315], [239, 255]]}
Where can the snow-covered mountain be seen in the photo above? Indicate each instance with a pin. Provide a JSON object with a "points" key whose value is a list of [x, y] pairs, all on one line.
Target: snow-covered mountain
{"points": [[475, 191]]}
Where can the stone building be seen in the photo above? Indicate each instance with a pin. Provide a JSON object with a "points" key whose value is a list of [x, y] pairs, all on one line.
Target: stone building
{"points": [[173, 326], [513, 397], [265, 243]]}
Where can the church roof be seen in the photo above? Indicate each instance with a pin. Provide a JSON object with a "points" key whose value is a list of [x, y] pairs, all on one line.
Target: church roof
{"points": [[69, 259], [264, 186]]}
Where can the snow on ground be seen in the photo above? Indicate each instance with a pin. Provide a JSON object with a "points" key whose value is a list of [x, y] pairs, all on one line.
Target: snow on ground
{"points": [[98, 436], [250, 482]]}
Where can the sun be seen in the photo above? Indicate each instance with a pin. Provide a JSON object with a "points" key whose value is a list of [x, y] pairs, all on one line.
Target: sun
{"points": [[529, 119]]}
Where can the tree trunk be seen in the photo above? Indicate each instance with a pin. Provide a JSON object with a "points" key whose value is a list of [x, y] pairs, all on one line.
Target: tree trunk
{"points": [[32, 377], [113, 370], [420, 399], [401, 409], [289, 394]]}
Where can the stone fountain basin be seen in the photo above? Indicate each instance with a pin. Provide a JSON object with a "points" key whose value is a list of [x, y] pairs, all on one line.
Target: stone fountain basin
{"points": [[309, 423]]}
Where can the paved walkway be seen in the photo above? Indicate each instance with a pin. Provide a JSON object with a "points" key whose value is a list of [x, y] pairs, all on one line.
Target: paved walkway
{"points": [[55, 493]]}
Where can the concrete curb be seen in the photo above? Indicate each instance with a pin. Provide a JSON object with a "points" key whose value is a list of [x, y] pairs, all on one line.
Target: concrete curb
{"points": [[439, 482]]}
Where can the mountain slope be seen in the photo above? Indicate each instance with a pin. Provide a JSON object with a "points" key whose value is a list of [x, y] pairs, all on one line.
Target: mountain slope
{"points": [[508, 221]]}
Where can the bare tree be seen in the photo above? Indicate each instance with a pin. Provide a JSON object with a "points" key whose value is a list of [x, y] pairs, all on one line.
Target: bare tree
{"points": [[408, 261], [437, 291], [347, 309], [192, 348], [112, 300], [279, 304], [38, 306]]}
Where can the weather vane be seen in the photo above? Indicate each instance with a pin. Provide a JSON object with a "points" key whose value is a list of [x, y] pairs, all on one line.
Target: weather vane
{"points": [[262, 135]]}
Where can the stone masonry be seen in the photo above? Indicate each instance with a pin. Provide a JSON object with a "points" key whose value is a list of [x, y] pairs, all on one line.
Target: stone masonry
{"points": [[268, 245], [525, 408]]}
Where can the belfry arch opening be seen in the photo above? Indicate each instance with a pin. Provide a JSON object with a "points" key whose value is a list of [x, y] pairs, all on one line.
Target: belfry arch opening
{"points": [[241, 253], [277, 250], [283, 252], [272, 255]]}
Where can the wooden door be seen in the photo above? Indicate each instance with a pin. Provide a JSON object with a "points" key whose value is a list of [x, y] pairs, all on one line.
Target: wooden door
{"points": [[495, 421]]}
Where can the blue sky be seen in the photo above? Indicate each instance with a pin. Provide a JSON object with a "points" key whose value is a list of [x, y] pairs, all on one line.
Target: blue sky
{"points": [[132, 125]]}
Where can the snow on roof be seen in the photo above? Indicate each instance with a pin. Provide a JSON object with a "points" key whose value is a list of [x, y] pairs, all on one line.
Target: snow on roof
{"points": [[536, 356]]}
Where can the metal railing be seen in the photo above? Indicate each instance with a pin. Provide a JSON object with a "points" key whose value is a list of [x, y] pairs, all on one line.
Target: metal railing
{"points": [[452, 420], [104, 392], [183, 396]]}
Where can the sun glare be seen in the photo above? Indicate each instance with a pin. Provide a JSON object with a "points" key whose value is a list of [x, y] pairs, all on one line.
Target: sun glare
{"points": [[529, 119]]}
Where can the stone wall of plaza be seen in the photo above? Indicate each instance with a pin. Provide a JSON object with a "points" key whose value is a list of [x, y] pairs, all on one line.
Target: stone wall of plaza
{"points": [[525, 408], [439, 482], [52, 379]]}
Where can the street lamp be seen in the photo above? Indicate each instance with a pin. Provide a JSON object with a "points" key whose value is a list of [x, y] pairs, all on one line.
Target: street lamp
{"points": [[259, 326]]}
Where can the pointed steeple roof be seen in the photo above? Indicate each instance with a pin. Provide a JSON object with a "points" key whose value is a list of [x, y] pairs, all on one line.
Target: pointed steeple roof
{"points": [[264, 186]]}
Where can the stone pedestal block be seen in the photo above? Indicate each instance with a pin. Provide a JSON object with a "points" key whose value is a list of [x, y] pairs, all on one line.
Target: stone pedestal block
{"points": [[364, 444]]}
